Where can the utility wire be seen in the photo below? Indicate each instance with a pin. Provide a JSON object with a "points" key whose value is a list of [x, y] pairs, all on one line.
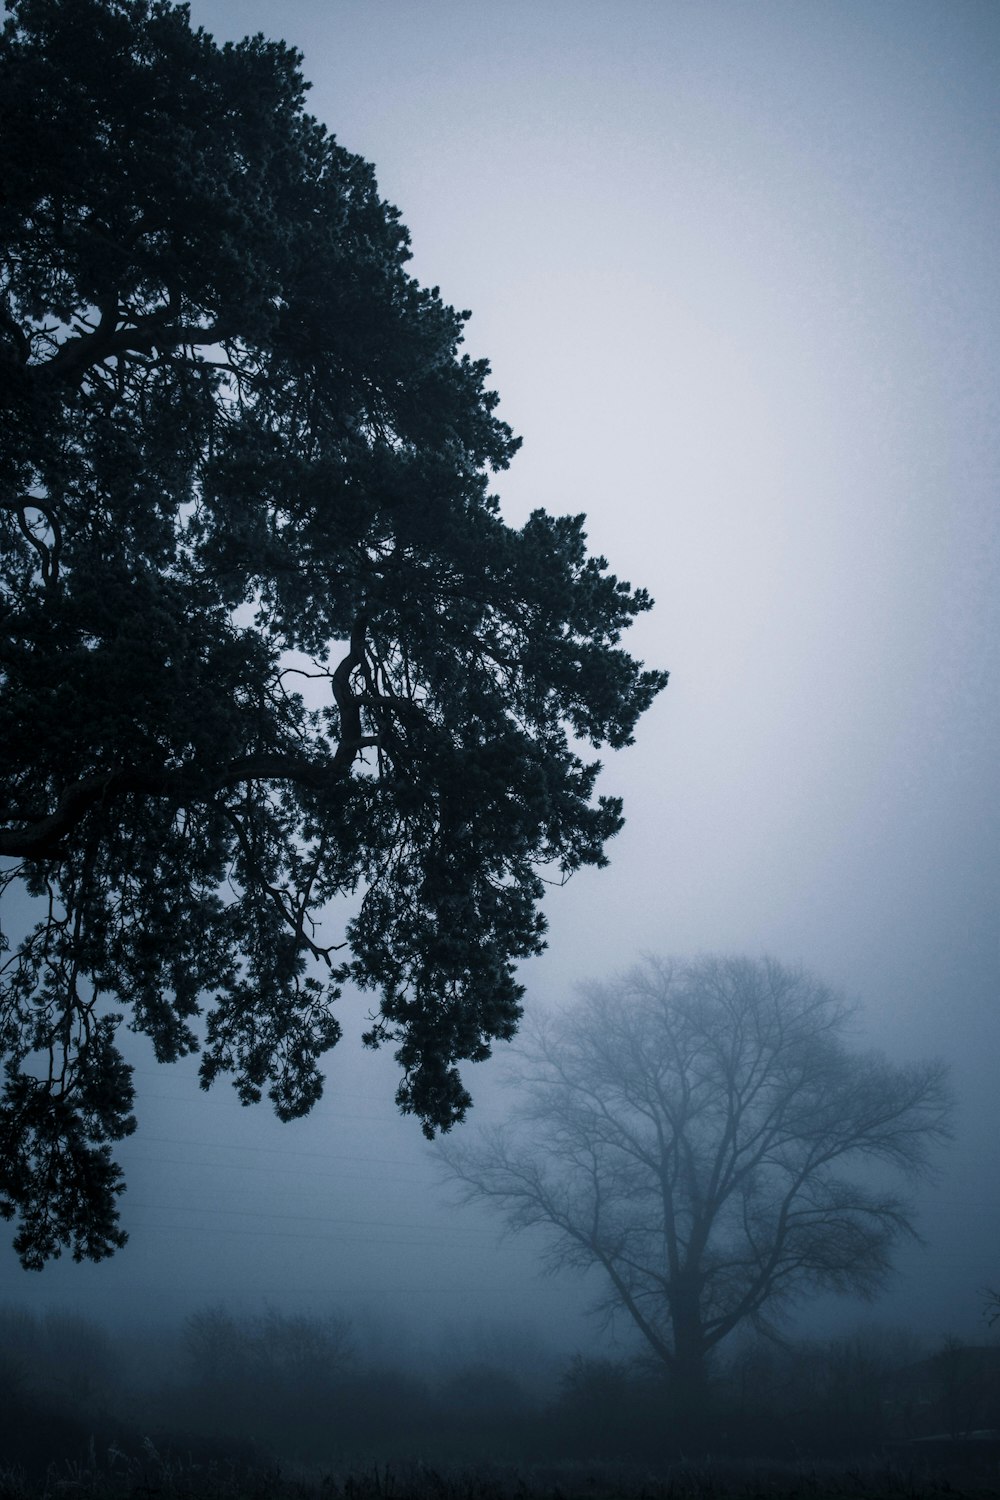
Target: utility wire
{"points": [[303, 1218], [271, 1169], [165, 1140]]}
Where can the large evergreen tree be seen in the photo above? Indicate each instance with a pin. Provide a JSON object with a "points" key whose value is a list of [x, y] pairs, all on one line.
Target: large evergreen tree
{"points": [[265, 639]]}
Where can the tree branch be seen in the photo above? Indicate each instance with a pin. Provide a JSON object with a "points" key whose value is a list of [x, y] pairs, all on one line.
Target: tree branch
{"points": [[78, 354], [49, 556], [42, 838]]}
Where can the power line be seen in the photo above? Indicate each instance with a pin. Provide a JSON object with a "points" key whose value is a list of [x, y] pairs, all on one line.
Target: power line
{"points": [[238, 1166], [383, 1291], [386, 1116], [280, 1234], [347, 1114], [393, 1161], [252, 1213]]}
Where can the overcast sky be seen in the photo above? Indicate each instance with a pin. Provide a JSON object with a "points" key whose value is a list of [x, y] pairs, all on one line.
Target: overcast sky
{"points": [[735, 268]]}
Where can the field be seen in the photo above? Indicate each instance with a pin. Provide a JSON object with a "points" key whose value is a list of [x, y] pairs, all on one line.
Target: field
{"points": [[289, 1408], [154, 1477]]}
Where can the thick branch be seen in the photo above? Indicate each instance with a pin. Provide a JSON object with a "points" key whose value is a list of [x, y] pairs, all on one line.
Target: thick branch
{"points": [[21, 344], [48, 556], [41, 839], [348, 705], [88, 349]]}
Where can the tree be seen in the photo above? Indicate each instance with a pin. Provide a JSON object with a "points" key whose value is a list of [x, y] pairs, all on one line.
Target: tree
{"points": [[703, 1134], [266, 640], [277, 1351]]}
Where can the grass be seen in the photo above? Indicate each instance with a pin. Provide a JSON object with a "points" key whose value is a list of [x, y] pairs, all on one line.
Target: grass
{"points": [[154, 1476]]}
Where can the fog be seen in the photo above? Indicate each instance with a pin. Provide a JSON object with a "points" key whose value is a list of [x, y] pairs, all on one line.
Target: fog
{"points": [[735, 270]]}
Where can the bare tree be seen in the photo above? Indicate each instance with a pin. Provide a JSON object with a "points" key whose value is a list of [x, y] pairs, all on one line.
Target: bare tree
{"points": [[703, 1133]]}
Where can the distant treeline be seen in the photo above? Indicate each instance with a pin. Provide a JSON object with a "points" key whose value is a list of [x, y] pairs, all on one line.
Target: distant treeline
{"points": [[283, 1388]]}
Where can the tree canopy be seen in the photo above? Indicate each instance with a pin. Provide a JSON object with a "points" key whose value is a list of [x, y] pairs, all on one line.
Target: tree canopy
{"points": [[703, 1134], [265, 639]]}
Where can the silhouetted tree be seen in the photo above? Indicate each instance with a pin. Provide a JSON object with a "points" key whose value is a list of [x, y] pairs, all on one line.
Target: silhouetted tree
{"points": [[265, 637], [692, 1130], [833, 1396], [277, 1379], [956, 1390]]}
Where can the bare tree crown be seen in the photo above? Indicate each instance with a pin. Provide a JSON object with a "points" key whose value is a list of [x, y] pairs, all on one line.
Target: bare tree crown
{"points": [[703, 1133]]}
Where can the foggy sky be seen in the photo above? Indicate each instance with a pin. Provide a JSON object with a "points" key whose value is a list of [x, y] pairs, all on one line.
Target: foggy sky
{"points": [[735, 270]]}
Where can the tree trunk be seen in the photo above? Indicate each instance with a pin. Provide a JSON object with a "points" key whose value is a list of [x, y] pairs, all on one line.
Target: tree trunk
{"points": [[689, 1400]]}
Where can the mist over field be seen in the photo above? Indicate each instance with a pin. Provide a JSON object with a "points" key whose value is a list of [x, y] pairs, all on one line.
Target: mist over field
{"points": [[734, 268]]}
